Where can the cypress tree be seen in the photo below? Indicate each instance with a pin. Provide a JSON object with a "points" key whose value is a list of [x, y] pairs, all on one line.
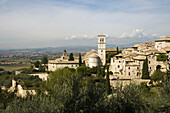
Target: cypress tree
{"points": [[103, 71], [145, 72], [80, 62], [108, 81], [71, 58], [99, 71], [117, 50]]}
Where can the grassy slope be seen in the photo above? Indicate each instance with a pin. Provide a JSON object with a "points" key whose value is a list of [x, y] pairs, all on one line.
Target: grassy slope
{"points": [[15, 67]]}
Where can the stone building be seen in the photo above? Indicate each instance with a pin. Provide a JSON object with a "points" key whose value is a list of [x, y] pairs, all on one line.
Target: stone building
{"points": [[162, 43], [130, 61]]}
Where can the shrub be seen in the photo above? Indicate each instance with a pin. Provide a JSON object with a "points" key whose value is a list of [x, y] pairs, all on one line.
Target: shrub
{"points": [[162, 57]]}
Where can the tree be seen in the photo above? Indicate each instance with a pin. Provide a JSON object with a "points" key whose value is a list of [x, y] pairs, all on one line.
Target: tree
{"points": [[103, 71], [162, 57], [82, 71], [71, 58], [117, 50], [108, 81], [80, 61], [37, 64], [145, 72], [158, 75], [44, 60], [99, 71]]}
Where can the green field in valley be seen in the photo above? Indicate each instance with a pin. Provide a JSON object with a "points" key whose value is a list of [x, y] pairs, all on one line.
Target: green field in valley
{"points": [[15, 67]]}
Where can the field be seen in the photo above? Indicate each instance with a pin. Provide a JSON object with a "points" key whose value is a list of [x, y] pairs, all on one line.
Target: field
{"points": [[15, 67]]}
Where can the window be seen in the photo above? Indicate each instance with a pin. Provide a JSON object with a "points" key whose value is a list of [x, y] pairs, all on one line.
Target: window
{"points": [[150, 68], [119, 61], [129, 67], [137, 67], [129, 73], [71, 65], [153, 56], [118, 66], [149, 62]]}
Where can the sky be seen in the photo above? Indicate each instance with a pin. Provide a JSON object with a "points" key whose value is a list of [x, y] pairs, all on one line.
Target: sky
{"points": [[54, 23]]}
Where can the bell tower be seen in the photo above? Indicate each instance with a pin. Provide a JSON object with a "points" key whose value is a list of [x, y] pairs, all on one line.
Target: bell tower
{"points": [[102, 48]]}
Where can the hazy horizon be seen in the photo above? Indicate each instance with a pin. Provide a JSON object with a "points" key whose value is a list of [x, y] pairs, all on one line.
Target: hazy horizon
{"points": [[55, 23]]}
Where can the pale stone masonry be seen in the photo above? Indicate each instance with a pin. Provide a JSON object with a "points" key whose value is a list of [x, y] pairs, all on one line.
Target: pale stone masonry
{"points": [[130, 61]]}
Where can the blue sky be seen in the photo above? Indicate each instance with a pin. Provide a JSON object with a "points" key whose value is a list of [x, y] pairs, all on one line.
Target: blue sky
{"points": [[52, 23]]}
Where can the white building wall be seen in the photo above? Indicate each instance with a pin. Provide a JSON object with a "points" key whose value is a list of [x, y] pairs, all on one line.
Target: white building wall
{"points": [[160, 45], [102, 48], [54, 66]]}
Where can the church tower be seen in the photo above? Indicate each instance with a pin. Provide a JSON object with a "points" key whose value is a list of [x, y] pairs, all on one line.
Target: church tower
{"points": [[102, 48]]}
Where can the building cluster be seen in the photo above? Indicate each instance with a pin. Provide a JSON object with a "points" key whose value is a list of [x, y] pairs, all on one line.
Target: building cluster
{"points": [[130, 61], [91, 59], [127, 63]]}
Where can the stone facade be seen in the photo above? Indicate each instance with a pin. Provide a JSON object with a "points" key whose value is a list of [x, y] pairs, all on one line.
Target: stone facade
{"points": [[130, 61]]}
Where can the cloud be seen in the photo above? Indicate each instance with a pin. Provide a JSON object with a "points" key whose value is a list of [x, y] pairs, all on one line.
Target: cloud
{"points": [[80, 37], [79, 20], [139, 33]]}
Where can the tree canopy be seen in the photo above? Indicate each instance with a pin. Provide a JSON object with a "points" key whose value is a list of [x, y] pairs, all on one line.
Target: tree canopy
{"points": [[44, 60], [145, 72], [71, 58]]}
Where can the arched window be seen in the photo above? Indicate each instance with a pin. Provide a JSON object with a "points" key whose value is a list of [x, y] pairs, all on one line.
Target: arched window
{"points": [[129, 73]]}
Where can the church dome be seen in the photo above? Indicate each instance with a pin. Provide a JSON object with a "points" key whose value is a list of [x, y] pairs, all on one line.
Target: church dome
{"points": [[94, 55]]}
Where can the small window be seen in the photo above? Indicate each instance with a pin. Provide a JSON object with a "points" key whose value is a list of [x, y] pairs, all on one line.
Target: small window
{"points": [[129, 73], [137, 67], [118, 66], [153, 56], [150, 68], [129, 67], [149, 62], [119, 61]]}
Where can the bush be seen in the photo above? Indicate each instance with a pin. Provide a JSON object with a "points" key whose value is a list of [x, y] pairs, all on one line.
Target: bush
{"points": [[1, 69], [157, 75], [162, 57]]}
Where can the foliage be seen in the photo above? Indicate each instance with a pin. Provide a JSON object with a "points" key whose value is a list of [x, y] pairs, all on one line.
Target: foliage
{"points": [[108, 82], [162, 57], [25, 80], [82, 71], [71, 93], [1, 69], [71, 58], [80, 61], [117, 50], [98, 71], [37, 64], [5, 98], [41, 68], [145, 72], [44, 60], [110, 73], [109, 56], [158, 75]]}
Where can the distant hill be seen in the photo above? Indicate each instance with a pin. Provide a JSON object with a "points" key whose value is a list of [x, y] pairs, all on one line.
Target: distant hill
{"points": [[75, 48]]}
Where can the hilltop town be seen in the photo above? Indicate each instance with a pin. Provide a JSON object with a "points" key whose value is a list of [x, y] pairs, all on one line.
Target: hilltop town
{"points": [[103, 74], [128, 63]]}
